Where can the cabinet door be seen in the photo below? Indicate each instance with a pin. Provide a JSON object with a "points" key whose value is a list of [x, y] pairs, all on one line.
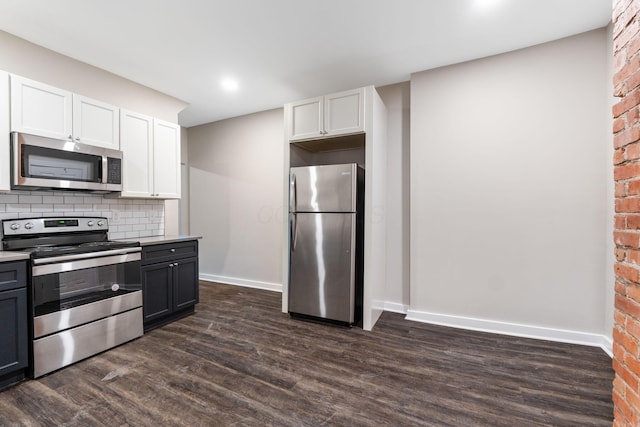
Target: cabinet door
{"points": [[166, 160], [5, 128], [306, 119], [13, 333], [96, 123], [185, 286], [136, 143], [344, 112], [157, 291], [40, 109]]}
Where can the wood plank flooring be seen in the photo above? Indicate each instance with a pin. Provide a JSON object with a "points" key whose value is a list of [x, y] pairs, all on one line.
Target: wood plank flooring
{"points": [[240, 362]]}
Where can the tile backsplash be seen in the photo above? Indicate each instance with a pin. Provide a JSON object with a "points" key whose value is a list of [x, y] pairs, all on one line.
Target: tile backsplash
{"points": [[128, 218]]}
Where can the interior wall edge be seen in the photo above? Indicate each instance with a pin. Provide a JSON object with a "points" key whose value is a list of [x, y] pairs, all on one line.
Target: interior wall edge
{"points": [[395, 307], [514, 329]]}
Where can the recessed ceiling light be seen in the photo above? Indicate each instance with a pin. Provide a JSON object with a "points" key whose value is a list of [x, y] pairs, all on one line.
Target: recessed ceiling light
{"points": [[229, 84], [485, 4]]}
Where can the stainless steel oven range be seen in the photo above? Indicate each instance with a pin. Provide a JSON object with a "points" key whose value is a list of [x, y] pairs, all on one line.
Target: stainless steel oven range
{"points": [[85, 293]]}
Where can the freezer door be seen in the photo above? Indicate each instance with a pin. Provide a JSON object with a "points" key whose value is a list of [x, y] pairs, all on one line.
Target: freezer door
{"points": [[322, 265], [330, 188]]}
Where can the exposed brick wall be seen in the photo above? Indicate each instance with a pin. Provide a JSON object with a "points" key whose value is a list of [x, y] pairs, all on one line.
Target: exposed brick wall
{"points": [[626, 141]]}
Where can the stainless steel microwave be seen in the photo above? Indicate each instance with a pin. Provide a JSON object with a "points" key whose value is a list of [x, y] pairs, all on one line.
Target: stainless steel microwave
{"points": [[39, 162]]}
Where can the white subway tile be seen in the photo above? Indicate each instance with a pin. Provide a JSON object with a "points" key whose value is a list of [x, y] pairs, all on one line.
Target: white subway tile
{"points": [[62, 208], [41, 208], [29, 199], [52, 199], [17, 207], [8, 198]]}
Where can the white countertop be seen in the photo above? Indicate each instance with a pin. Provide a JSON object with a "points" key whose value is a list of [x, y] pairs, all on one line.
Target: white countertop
{"points": [[158, 240], [6, 256]]}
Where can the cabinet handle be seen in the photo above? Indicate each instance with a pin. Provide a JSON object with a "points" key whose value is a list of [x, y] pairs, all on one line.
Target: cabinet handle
{"points": [[77, 138], [70, 137], [175, 264], [171, 265], [172, 250]]}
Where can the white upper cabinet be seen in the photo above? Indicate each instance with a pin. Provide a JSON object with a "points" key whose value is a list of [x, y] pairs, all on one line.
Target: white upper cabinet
{"points": [[5, 157], [325, 116], [344, 112], [40, 109], [96, 123], [136, 143], [151, 157], [166, 160], [306, 119], [44, 110]]}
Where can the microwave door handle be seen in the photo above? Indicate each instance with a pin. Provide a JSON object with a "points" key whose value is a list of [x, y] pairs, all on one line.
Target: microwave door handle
{"points": [[105, 165]]}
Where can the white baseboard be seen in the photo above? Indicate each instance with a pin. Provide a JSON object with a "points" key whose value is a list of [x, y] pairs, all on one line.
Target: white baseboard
{"points": [[514, 329], [607, 345], [395, 307], [276, 287]]}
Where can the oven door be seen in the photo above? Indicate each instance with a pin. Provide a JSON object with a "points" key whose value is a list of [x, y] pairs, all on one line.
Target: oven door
{"points": [[71, 281]]}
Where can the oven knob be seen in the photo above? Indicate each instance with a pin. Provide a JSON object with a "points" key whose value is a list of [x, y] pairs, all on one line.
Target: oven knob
{"points": [[101, 223], [28, 226], [15, 226], [90, 223]]}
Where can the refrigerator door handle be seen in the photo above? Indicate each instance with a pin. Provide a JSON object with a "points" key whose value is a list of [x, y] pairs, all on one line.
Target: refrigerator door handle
{"points": [[293, 232], [293, 193]]}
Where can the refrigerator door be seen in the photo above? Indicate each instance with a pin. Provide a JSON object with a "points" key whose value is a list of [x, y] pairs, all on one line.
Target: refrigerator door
{"points": [[322, 265], [330, 188]]}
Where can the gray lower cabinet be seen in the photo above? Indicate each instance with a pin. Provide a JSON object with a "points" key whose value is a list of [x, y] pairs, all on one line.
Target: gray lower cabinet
{"points": [[14, 357], [169, 275]]}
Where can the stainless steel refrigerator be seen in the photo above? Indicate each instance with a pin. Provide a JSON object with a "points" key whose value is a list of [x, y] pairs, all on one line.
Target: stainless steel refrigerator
{"points": [[326, 242]]}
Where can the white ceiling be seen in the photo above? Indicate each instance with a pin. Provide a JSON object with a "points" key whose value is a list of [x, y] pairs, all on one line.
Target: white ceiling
{"points": [[285, 50]]}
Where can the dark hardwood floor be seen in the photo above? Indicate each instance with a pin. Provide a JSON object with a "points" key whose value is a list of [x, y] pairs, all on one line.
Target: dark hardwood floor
{"points": [[240, 361]]}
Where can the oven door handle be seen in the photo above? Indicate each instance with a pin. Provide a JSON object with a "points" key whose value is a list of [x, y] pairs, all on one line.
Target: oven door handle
{"points": [[61, 267], [74, 257]]}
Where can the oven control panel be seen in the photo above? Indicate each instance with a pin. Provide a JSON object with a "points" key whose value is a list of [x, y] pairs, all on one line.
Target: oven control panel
{"points": [[14, 227]]}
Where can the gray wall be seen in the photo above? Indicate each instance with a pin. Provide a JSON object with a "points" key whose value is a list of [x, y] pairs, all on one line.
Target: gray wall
{"points": [[35, 62], [510, 187], [236, 175]]}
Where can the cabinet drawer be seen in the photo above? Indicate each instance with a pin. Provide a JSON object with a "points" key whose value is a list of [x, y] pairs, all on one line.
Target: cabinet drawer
{"points": [[13, 275], [169, 251]]}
